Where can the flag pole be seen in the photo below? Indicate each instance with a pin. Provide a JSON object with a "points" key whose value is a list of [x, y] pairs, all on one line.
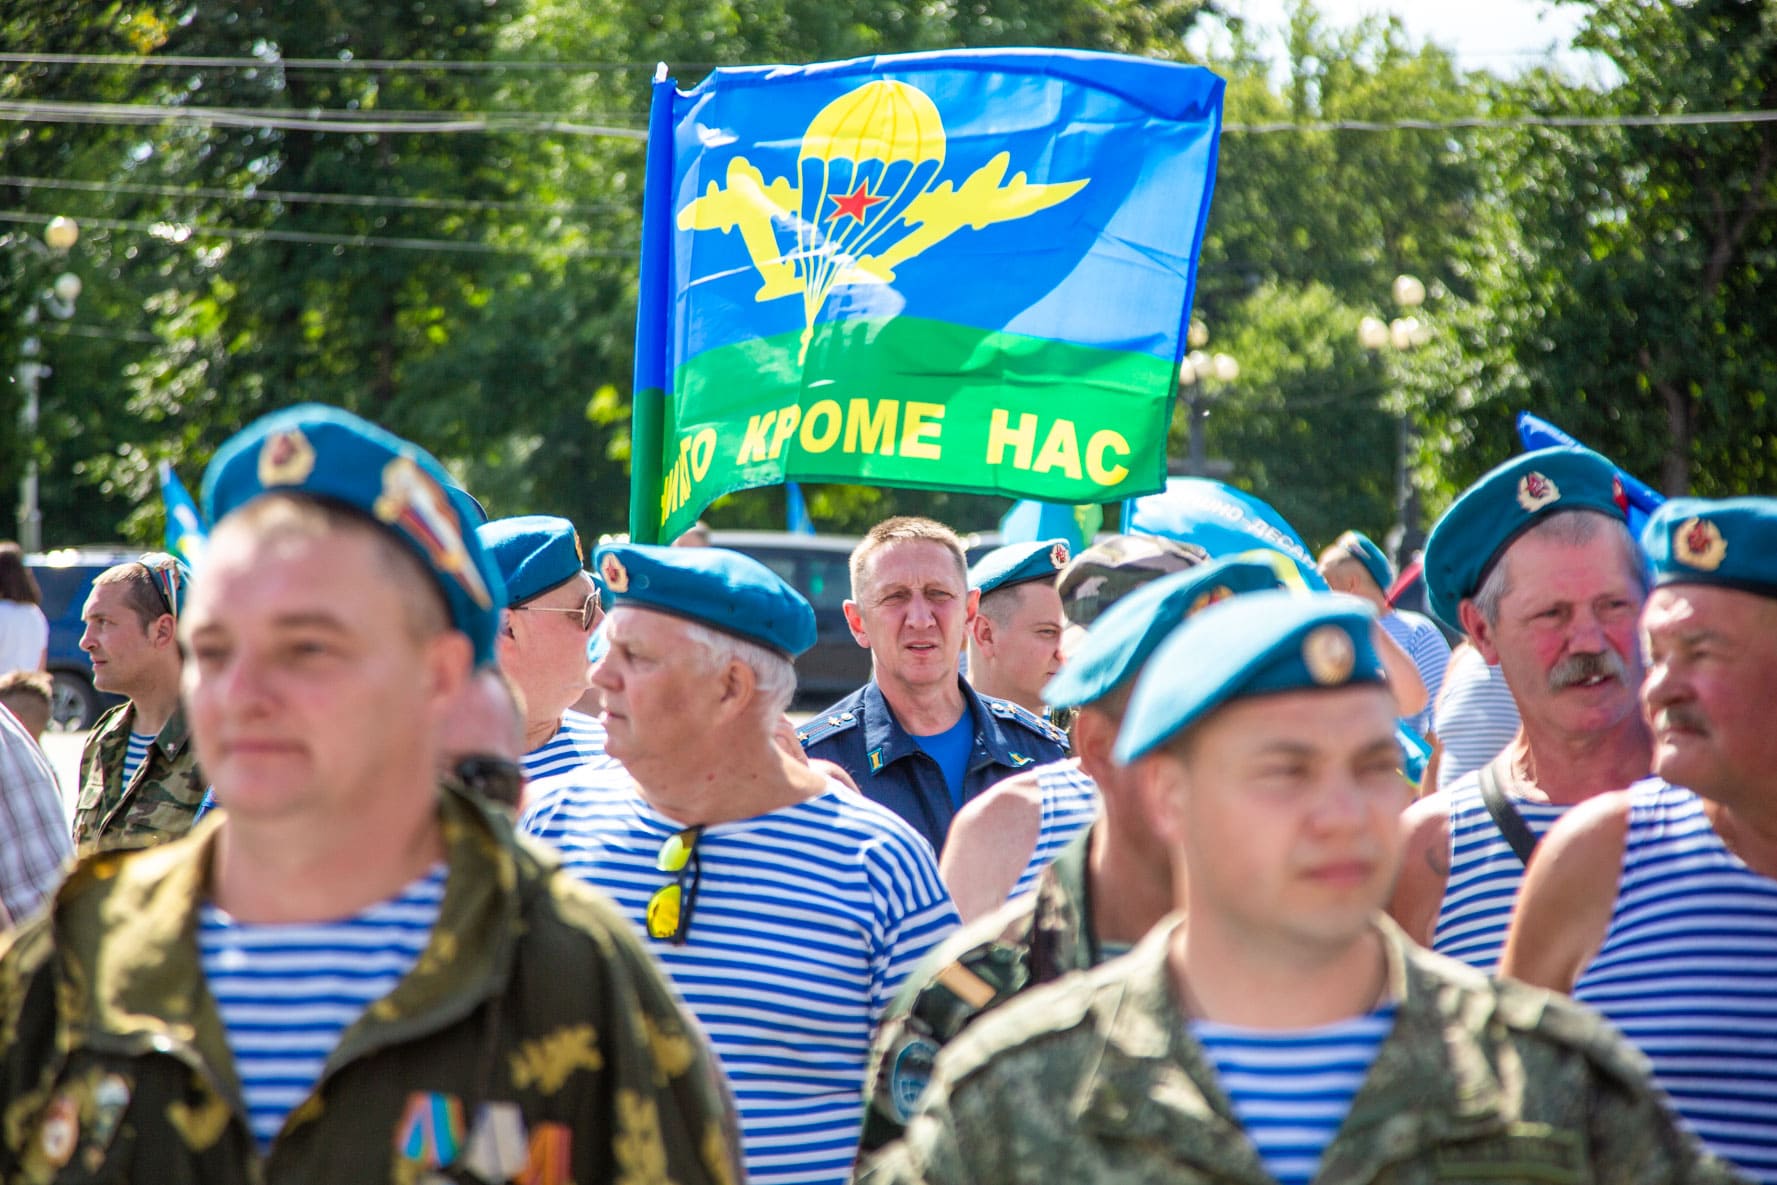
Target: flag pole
{"points": [[653, 320]]}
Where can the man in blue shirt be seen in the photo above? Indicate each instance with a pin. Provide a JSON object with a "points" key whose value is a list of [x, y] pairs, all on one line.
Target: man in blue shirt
{"points": [[917, 738]]}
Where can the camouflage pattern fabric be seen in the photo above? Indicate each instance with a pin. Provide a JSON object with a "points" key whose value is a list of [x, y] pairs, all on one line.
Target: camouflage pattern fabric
{"points": [[534, 1040], [1097, 1079], [161, 801], [1025, 943]]}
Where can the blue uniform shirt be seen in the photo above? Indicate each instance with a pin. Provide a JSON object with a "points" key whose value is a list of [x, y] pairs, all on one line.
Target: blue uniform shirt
{"points": [[861, 735]]}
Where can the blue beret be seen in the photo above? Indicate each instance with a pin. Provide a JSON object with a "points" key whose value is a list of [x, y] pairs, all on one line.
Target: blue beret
{"points": [[1503, 505], [712, 586], [469, 507], [1018, 563], [1358, 546], [323, 452], [535, 552], [1120, 641], [1257, 644], [1731, 542]]}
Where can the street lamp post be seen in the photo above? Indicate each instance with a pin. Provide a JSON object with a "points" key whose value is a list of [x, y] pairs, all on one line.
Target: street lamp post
{"points": [[1401, 335], [1194, 375], [60, 235]]}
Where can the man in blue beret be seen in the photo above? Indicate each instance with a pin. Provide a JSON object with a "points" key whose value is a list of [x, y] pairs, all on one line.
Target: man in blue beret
{"points": [[1657, 905], [349, 972], [1536, 564], [1353, 564], [1283, 1029], [917, 738], [552, 611], [1111, 882], [786, 908], [1015, 639]]}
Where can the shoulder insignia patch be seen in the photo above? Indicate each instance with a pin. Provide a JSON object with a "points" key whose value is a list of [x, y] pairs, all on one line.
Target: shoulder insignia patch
{"points": [[822, 727]]}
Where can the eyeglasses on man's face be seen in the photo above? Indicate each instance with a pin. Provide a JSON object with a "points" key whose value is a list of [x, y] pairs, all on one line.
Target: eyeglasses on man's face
{"points": [[588, 612]]}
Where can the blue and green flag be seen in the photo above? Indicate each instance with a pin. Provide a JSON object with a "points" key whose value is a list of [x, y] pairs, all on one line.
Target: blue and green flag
{"points": [[958, 270], [185, 532]]}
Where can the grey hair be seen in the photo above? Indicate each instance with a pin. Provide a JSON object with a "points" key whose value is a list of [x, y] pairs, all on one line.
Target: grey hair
{"points": [[774, 675], [1573, 528]]}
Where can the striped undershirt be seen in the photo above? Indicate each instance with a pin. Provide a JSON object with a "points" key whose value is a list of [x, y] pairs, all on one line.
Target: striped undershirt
{"points": [[287, 992], [1070, 803], [135, 753], [1484, 876], [1688, 972], [1425, 645], [806, 922], [1475, 716], [1291, 1089], [578, 747]]}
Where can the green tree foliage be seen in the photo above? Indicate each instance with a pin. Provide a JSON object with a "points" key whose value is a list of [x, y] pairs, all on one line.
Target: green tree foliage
{"points": [[1630, 290]]}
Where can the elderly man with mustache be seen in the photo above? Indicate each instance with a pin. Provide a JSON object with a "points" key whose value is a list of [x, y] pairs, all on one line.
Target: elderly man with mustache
{"points": [[1658, 905], [1536, 563]]}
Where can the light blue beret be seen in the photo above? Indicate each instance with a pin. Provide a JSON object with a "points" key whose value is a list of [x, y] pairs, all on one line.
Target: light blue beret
{"points": [[1730, 542], [712, 586], [1258, 644], [1359, 547], [535, 552], [324, 452], [1504, 504], [1019, 563], [1120, 641]]}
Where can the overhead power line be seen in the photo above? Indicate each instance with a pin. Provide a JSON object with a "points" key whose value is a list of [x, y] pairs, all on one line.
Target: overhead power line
{"points": [[527, 122], [179, 232], [327, 120], [297, 197], [188, 61]]}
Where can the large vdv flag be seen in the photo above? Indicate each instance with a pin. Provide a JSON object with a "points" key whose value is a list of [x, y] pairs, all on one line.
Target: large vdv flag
{"points": [[958, 270]]}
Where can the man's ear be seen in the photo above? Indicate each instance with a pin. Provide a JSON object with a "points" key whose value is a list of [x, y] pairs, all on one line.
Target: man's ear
{"points": [[164, 631], [972, 605], [854, 621], [1474, 624], [1161, 780], [449, 659], [981, 630]]}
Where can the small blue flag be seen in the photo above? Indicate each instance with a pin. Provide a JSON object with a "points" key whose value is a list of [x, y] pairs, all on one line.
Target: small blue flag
{"points": [[1220, 519], [1536, 432], [1032, 522], [185, 526], [796, 517]]}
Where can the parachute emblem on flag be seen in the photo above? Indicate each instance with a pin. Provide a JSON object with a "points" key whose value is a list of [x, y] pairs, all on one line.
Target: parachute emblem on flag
{"points": [[865, 200]]}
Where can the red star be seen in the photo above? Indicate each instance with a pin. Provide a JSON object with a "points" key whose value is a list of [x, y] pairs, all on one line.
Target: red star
{"points": [[854, 205]]}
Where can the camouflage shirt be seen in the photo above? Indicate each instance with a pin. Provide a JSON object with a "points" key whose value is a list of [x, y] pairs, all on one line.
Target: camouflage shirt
{"points": [[1097, 1079], [160, 802], [533, 1040], [1026, 942]]}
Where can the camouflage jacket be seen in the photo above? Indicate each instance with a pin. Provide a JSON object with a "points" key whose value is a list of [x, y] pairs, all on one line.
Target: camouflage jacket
{"points": [[533, 1040], [1026, 942], [159, 803], [1097, 1079]]}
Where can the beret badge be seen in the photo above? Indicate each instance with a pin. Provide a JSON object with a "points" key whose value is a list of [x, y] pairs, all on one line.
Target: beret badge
{"points": [[1699, 544], [1328, 654], [1536, 491]]}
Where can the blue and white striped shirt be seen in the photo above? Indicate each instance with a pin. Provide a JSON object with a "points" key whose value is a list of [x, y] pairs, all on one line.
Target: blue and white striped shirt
{"points": [[807, 920], [135, 753], [1425, 645], [1475, 715], [1291, 1089], [287, 992], [1484, 876], [1688, 972], [578, 747], [1070, 803]]}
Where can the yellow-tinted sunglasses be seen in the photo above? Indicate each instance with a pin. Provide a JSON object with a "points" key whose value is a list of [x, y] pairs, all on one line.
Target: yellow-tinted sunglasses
{"points": [[669, 910]]}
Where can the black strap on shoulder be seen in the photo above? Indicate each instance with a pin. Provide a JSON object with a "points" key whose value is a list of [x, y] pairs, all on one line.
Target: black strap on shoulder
{"points": [[1511, 824]]}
